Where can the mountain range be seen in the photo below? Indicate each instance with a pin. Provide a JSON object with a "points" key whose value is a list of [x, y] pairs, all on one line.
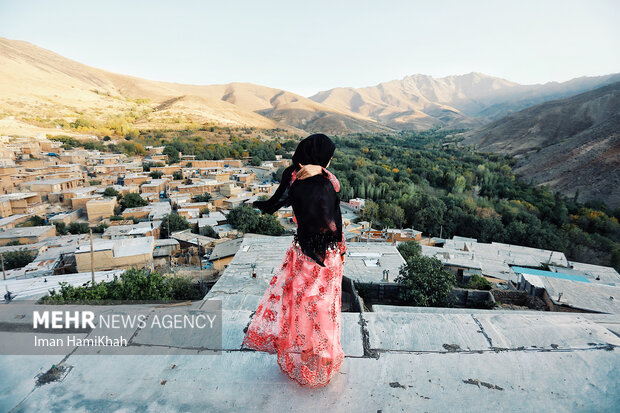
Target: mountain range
{"points": [[38, 83], [570, 144], [564, 134]]}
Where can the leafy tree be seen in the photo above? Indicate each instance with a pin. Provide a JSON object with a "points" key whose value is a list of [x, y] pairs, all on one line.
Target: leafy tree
{"points": [[61, 228], [370, 212], [477, 282], [256, 161], [78, 228], [172, 153], [111, 192], [156, 174], [177, 175], [269, 225], [409, 249], [246, 219], [206, 197], [133, 285], [133, 200], [35, 221], [173, 223], [425, 283], [17, 259], [100, 229], [208, 231], [391, 215]]}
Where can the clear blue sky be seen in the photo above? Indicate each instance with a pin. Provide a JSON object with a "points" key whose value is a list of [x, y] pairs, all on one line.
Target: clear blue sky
{"points": [[308, 46]]}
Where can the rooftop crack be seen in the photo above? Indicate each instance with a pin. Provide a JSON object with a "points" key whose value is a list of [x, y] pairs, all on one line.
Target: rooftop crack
{"points": [[484, 333]]}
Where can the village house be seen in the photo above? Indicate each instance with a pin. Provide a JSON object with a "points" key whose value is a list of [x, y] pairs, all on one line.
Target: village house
{"points": [[141, 229], [97, 209], [116, 253], [153, 211], [47, 186], [27, 235], [19, 203]]}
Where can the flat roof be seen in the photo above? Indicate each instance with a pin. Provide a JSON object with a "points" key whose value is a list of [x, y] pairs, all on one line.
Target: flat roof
{"points": [[225, 249], [25, 231], [532, 271], [121, 247]]}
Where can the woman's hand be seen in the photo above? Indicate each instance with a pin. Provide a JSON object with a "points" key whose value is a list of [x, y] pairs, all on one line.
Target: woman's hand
{"points": [[307, 171]]}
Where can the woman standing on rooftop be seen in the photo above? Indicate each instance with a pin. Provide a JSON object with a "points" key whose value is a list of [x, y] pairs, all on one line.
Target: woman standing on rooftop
{"points": [[298, 317]]}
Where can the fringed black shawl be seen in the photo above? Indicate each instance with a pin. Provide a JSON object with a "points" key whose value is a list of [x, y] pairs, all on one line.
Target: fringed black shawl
{"points": [[314, 200]]}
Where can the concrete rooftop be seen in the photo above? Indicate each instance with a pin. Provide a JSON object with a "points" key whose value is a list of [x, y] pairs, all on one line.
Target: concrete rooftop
{"points": [[397, 359]]}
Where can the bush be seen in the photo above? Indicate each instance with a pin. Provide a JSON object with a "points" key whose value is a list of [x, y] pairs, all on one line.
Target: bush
{"points": [[477, 282], [183, 288], [208, 231], [133, 285], [111, 192], [100, 229], [425, 283], [177, 175], [61, 228], [17, 259], [34, 221], [133, 200], [176, 222], [410, 249], [79, 228], [247, 219], [206, 197]]}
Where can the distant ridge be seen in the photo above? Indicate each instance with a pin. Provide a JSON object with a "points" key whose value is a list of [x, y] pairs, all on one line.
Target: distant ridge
{"points": [[38, 85], [421, 101], [571, 144]]}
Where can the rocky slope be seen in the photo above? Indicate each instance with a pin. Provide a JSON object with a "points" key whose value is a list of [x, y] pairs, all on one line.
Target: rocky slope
{"points": [[571, 144]]}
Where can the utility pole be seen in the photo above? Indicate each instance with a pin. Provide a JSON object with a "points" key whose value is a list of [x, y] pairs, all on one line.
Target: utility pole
{"points": [[199, 254], [92, 258], [3, 272]]}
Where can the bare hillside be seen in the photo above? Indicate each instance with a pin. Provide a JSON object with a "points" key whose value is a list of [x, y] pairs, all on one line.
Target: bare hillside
{"points": [[571, 144]]}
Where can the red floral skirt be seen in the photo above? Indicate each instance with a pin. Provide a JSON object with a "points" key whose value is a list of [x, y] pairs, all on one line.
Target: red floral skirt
{"points": [[298, 318]]}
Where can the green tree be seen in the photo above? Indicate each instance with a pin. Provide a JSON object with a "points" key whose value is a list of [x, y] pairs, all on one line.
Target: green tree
{"points": [[61, 228], [111, 192], [244, 218], [425, 283], [35, 221], [79, 228], [100, 229], [247, 219], [208, 231], [409, 249], [156, 174], [172, 153], [133, 200], [478, 282], [172, 223], [177, 175], [17, 259], [206, 197], [269, 225], [370, 212]]}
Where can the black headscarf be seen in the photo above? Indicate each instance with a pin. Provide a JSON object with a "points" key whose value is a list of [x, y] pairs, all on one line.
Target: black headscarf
{"points": [[316, 149], [314, 200]]}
